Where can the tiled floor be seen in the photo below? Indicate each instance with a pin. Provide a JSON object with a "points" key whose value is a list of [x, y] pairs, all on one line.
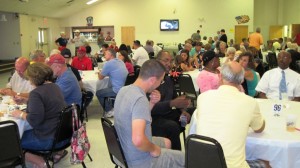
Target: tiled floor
{"points": [[98, 149]]}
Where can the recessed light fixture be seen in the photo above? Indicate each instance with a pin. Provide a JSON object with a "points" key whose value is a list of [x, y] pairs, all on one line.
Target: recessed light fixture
{"points": [[91, 2]]}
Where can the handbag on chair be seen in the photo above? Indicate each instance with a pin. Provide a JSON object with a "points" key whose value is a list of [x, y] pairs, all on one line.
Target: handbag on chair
{"points": [[80, 144]]}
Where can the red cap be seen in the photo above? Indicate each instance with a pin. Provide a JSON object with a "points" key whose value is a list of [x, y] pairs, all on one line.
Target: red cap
{"points": [[56, 58], [81, 49]]}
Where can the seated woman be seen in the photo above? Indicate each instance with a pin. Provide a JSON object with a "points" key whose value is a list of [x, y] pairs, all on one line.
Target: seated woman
{"points": [[124, 57], [230, 53], [44, 107], [186, 62], [246, 61], [209, 77], [176, 69]]}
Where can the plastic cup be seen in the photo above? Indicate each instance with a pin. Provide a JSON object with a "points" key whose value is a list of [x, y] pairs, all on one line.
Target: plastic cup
{"points": [[291, 120]]}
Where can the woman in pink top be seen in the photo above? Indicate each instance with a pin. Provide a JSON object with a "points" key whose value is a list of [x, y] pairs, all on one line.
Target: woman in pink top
{"points": [[209, 77], [124, 57]]}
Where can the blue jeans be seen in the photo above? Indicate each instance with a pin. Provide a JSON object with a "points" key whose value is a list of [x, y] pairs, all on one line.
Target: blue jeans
{"points": [[30, 141], [101, 94]]}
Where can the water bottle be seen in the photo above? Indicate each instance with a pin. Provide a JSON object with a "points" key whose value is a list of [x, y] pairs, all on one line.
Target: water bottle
{"points": [[183, 120]]}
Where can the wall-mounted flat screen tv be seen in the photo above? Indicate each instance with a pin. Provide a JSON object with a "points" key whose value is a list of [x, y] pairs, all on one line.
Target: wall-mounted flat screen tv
{"points": [[169, 25]]}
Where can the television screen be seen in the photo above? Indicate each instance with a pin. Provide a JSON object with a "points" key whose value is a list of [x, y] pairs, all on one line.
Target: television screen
{"points": [[169, 24]]}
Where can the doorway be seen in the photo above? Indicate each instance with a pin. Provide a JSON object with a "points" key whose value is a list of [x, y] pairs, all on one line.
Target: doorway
{"points": [[276, 31], [295, 30], [128, 35], [43, 43], [241, 31]]}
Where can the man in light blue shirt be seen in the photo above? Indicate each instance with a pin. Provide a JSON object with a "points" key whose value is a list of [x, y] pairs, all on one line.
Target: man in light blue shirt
{"points": [[116, 70]]}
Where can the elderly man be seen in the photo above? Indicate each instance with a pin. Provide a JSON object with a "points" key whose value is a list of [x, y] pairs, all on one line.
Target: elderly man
{"points": [[37, 56], [117, 72], [18, 85], [78, 40], [81, 61], [66, 80], [221, 114], [280, 82], [166, 113], [62, 41], [133, 122], [140, 55]]}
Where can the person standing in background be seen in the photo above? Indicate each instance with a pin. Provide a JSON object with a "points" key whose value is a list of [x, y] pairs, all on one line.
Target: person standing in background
{"points": [[196, 36], [223, 36], [100, 40], [62, 41], [78, 40], [255, 40]]}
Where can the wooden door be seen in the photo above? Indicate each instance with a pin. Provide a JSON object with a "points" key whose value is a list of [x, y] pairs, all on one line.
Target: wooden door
{"points": [[295, 30], [240, 32], [127, 35], [275, 31]]}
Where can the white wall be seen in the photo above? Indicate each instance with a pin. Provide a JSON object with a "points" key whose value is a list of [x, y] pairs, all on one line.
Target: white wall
{"points": [[10, 37], [145, 16], [29, 30]]}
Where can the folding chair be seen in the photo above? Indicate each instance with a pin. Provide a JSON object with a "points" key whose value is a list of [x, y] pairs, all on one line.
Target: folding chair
{"points": [[64, 132], [113, 143], [11, 154], [87, 96], [186, 87], [203, 152]]}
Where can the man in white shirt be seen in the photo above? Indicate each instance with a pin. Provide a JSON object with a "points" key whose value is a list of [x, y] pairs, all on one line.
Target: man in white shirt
{"points": [[18, 85], [78, 40], [140, 54], [221, 114], [269, 85]]}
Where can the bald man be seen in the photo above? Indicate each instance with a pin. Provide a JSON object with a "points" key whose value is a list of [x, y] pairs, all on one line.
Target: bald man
{"points": [[214, 113], [18, 85], [269, 85]]}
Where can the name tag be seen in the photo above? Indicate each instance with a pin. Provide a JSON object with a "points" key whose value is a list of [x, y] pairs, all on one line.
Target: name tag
{"points": [[277, 108]]}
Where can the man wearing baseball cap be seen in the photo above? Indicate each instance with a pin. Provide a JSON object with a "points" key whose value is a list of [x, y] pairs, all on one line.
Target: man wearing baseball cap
{"points": [[81, 61], [66, 80]]}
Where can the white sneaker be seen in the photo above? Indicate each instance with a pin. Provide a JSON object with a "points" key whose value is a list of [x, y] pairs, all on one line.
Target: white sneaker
{"points": [[110, 113]]}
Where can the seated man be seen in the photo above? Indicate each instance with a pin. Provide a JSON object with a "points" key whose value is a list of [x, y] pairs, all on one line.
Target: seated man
{"points": [[37, 56], [133, 122], [280, 80], [221, 114], [66, 53], [117, 72], [140, 55], [18, 85], [81, 61], [66, 80], [166, 113]]}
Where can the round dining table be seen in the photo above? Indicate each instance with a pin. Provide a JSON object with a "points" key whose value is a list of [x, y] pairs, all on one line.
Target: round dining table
{"points": [[275, 144]]}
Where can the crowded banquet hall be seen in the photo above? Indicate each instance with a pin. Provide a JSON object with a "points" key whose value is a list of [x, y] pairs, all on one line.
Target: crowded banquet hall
{"points": [[150, 84]]}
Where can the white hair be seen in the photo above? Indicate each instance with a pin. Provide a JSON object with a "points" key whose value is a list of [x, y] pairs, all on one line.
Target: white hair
{"points": [[229, 75]]}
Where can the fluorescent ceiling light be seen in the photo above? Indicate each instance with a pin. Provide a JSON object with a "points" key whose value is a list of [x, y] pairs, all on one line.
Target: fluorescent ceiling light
{"points": [[91, 1]]}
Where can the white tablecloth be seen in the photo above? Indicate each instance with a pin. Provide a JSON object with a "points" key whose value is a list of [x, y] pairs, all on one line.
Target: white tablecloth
{"points": [[92, 83], [194, 74], [275, 144]]}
